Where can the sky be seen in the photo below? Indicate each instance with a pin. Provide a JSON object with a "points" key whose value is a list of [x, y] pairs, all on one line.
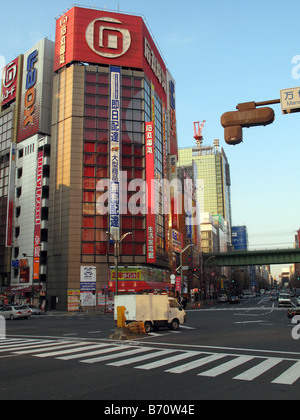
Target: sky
{"points": [[220, 53]]}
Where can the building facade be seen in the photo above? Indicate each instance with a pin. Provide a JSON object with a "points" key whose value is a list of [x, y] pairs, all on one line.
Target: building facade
{"points": [[113, 130], [213, 174], [87, 139]]}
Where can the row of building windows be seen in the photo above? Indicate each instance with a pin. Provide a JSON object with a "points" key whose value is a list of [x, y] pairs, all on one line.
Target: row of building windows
{"points": [[135, 110]]}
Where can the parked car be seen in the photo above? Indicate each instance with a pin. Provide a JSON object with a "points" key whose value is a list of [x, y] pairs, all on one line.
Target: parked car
{"points": [[222, 298], [234, 299], [15, 312], [284, 299], [34, 309]]}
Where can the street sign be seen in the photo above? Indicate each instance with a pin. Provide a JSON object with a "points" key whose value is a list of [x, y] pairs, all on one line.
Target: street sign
{"points": [[290, 100]]}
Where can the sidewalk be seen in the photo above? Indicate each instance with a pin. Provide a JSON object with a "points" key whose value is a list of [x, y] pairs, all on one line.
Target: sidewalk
{"points": [[87, 312], [201, 305]]}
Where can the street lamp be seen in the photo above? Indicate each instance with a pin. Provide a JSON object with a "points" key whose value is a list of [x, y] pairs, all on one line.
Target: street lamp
{"points": [[181, 271], [116, 252]]}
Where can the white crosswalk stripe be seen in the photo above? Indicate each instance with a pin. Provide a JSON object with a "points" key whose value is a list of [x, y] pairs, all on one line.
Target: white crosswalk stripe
{"points": [[202, 364]]}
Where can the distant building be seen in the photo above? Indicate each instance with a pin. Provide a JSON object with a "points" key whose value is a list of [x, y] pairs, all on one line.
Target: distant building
{"points": [[213, 173]]}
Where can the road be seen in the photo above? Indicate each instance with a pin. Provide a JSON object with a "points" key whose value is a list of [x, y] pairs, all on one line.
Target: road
{"points": [[224, 352]]}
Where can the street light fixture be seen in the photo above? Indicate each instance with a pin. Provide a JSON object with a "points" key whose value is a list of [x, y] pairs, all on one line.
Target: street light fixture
{"points": [[116, 252], [181, 271]]}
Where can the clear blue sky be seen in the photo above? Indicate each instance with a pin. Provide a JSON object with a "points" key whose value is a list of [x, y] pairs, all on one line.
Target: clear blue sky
{"points": [[220, 53]]}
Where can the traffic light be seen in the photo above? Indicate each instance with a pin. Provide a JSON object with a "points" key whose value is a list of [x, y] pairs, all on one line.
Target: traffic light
{"points": [[247, 115]]}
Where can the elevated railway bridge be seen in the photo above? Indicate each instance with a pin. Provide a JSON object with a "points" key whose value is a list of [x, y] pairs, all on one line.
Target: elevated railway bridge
{"points": [[245, 258]]}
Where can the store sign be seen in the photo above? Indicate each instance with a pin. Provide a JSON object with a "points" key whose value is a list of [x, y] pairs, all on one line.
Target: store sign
{"points": [[9, 85], [63, 38], [19, 263], [126, 273], [85, 34], [87, 278], [150, 217], [155, 65], [37, 219], [107, 40], [101, 37], [30, 94]]}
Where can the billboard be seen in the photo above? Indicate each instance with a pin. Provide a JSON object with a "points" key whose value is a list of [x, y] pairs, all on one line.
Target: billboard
{"points": [[101, 37], [9, 82], [172, 124], [36, 96], [239, 237]]}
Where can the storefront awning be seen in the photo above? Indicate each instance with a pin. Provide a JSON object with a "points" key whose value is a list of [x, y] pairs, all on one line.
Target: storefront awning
{"points": [[22, 288], [139, 286]]}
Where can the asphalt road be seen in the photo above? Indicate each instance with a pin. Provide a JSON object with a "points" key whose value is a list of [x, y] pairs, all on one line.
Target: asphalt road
{"points": [[223, 352]]}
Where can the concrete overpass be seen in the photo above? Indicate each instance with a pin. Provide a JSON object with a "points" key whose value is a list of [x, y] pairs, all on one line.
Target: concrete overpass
{"points": [[244, 258]]}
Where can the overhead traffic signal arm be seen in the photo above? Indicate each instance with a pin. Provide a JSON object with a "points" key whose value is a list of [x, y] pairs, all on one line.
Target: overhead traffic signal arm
{"points": [[247, 115]]}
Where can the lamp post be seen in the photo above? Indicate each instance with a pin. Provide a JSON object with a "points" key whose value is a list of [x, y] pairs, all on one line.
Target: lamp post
{"points": [[116, 252], [181, 271]]}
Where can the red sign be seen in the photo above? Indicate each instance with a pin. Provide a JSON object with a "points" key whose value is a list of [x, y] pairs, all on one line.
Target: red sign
{"points": [[100, 37], [37, 223], [150, 218], [178, 284], [9, 85]]}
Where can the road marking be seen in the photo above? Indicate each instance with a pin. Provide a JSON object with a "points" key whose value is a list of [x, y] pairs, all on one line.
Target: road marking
{"points": [[50, 347], [114, 356], [140, 358], [225, 367], [196, 363], [130, 354], [187, 328], [290, 376], [68, 351], [168, 360], [253, 373]]}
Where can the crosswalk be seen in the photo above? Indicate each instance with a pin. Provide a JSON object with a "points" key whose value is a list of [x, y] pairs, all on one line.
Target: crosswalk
{"points": [[242, 367]]}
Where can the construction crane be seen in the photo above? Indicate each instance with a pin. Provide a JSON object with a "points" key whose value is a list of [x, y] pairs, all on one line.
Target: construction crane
{"points": [[198, 128]]}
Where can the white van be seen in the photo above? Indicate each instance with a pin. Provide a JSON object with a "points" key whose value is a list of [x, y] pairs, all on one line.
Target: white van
{"points": [[154, 310]]}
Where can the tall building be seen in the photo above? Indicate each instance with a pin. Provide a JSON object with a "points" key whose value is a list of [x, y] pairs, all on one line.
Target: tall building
{"points": [[86, 125], [113, 126], [213, 174], [25, 119]]}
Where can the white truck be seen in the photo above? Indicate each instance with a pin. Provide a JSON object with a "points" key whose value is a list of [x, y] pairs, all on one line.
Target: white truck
{"points": [[154, 310]]}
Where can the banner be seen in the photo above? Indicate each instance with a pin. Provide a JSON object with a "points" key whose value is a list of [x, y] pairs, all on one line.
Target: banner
{"points": [[150, 218], [37, 219], [115, 144]]}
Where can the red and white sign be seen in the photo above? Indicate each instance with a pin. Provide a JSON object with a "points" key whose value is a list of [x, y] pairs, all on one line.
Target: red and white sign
{"points": [[96, 36], [11, 193], [150, 217], [178, 284], [37, 220], [9, 84]]}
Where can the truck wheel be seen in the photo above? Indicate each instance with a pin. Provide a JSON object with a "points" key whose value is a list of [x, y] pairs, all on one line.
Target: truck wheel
{"points": [[175, 324], [148, 327]]}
